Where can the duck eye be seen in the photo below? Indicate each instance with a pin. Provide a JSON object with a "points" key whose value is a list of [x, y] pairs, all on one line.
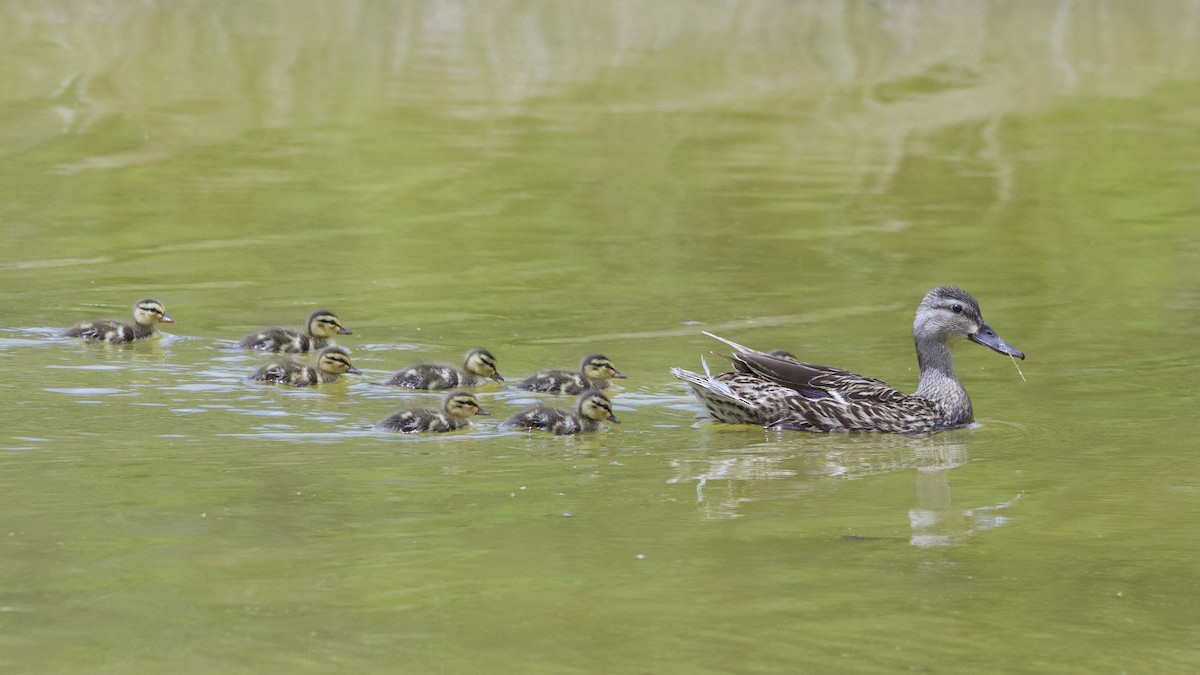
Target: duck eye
{"points": [[956, 308]]}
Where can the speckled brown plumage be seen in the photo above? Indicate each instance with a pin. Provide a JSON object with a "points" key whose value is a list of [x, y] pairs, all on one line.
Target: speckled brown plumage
{"points": [[778, 393]]}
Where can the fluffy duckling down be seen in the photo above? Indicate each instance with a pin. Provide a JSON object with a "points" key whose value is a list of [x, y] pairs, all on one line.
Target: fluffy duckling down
{"points": [[595, 371], [457, 410], [332, 363], [147, 313], [321, 326], [591, 411], [479, 365]]}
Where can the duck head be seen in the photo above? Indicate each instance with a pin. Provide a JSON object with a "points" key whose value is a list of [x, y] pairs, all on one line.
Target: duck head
{"points": [[948, 314], [598, 367], [595, 406], [149, 311], [325, 324], [462, 404]]}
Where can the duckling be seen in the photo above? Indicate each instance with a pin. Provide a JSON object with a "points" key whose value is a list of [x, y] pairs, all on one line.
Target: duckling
{"points": [[594, 373], [592, 409], [322, 325], [784, 354], [457, 410], [332, 362], [146, 313], [478, 366]]}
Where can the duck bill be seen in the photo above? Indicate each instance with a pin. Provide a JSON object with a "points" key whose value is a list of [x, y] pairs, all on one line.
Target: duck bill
{"points": [[496, 377], [354, 371], [618, 375], [481, 411], [345, 331], [988, 338], [166, 319], [613, 419]]}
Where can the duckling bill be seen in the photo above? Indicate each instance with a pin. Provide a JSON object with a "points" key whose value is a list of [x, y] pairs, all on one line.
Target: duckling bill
{"points": [[781, 394], [320, 327], [147, 313], [456, 413], [332, 363]]}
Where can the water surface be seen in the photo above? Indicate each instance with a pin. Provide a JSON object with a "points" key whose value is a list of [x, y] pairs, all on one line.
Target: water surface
{"points": [[553, 180]]}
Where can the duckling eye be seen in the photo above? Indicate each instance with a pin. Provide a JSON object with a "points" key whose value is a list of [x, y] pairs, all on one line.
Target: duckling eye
{"points": [[956, 308]]}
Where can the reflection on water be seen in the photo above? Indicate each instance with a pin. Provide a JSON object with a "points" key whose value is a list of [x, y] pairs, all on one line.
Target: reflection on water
{"points": [[935, 522], [724, 484], [554, 179]]}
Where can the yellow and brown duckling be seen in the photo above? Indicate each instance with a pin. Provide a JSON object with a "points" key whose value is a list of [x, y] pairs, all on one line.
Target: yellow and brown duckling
{"points": [[332, 363], [322, 325], [147, 313], [456, 413], [594, 372], [591, 411], [478, 367]]}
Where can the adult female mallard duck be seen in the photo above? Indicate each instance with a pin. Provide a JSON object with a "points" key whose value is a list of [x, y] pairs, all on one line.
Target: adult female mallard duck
{"points": [[591, 410], [146, 314], [322, 325], [456, 413], [594, 373], [780, 394], [478, 366], [332, 363]]}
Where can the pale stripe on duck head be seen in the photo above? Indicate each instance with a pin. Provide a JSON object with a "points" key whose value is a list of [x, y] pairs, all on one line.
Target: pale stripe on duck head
{"points": [[481, 362], [325, 324], [148, 311]]}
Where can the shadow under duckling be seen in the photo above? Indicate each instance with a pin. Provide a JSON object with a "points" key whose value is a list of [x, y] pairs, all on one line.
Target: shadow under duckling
{"points": [[322, 325], [595, 371], [479, 365], [147, 313], [456, 413], [332, 363], [591, 411]]}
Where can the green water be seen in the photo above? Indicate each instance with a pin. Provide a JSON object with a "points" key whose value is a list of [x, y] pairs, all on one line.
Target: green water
{"points": [[553, 179]]}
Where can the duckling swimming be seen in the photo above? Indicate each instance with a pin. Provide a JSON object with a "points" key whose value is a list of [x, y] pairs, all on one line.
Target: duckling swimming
{"points": [[322, 325], [592, 409], [478, 366], [146, 314], [332, 363], [594, 373], [456, 413]]}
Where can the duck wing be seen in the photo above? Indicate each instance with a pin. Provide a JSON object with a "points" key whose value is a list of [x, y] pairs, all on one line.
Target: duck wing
{"points": [[810, 380]]}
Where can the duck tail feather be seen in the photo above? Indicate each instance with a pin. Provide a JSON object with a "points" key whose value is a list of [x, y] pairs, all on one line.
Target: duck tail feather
{"points": [[741, 348]]}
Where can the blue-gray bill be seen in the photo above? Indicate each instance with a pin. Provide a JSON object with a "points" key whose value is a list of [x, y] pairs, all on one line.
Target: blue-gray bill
{"points": [[988, 338]]}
